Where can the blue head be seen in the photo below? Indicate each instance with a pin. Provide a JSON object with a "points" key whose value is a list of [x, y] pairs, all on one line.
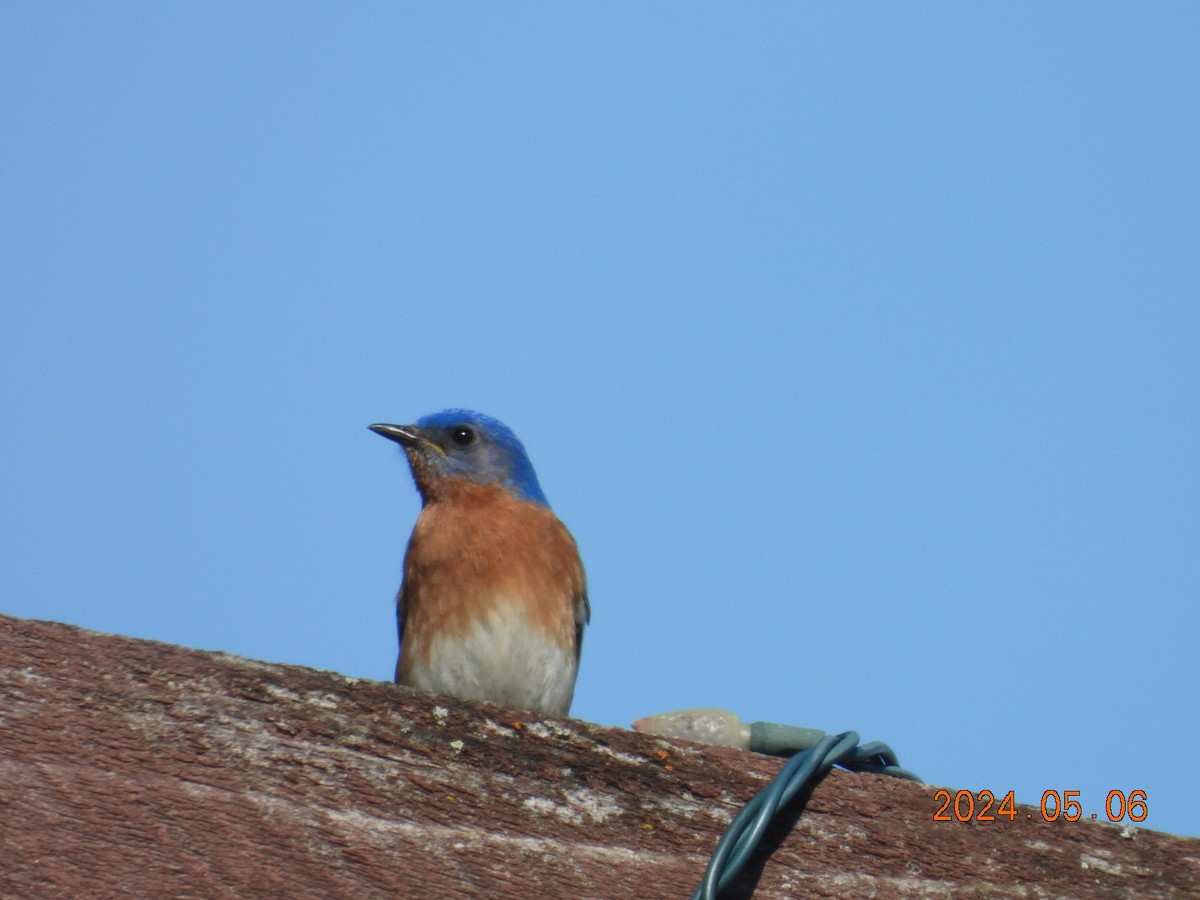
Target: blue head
{"points": [[459, 443]]}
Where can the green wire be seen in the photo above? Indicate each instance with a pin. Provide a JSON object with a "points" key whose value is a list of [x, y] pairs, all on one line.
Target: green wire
{"points": [[804, 770]]}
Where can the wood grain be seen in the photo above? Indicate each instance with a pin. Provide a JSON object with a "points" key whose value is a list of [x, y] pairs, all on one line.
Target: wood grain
{"points": [[132, 768]]}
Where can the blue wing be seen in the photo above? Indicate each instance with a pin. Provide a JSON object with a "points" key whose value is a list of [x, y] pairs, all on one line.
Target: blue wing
{"points": [[399, 627]]}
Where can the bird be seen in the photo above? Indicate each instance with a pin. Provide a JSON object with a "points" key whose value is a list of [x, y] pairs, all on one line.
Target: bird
{"points": [[493, 599]]}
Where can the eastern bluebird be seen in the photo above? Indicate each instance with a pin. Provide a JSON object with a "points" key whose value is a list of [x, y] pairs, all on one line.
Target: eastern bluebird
{"points": [[494, 600]]}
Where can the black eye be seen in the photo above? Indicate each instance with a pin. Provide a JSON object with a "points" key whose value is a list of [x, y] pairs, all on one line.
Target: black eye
{"points": [[463, 436]]}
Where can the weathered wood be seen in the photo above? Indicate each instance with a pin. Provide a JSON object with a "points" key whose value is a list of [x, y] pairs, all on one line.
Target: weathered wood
{"points": [[132, 768]]}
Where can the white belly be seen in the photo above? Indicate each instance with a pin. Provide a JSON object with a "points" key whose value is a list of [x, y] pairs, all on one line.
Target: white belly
{"points": [[500, 659]]}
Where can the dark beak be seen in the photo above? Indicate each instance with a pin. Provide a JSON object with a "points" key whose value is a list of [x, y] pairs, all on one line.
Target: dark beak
{"points": [[401, 434]]}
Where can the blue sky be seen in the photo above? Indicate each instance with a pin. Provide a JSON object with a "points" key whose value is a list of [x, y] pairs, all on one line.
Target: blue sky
{"points": [[857, 344]]}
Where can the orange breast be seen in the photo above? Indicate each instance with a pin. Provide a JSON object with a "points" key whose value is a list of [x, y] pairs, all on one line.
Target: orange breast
{"points": [[475, 544]]}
